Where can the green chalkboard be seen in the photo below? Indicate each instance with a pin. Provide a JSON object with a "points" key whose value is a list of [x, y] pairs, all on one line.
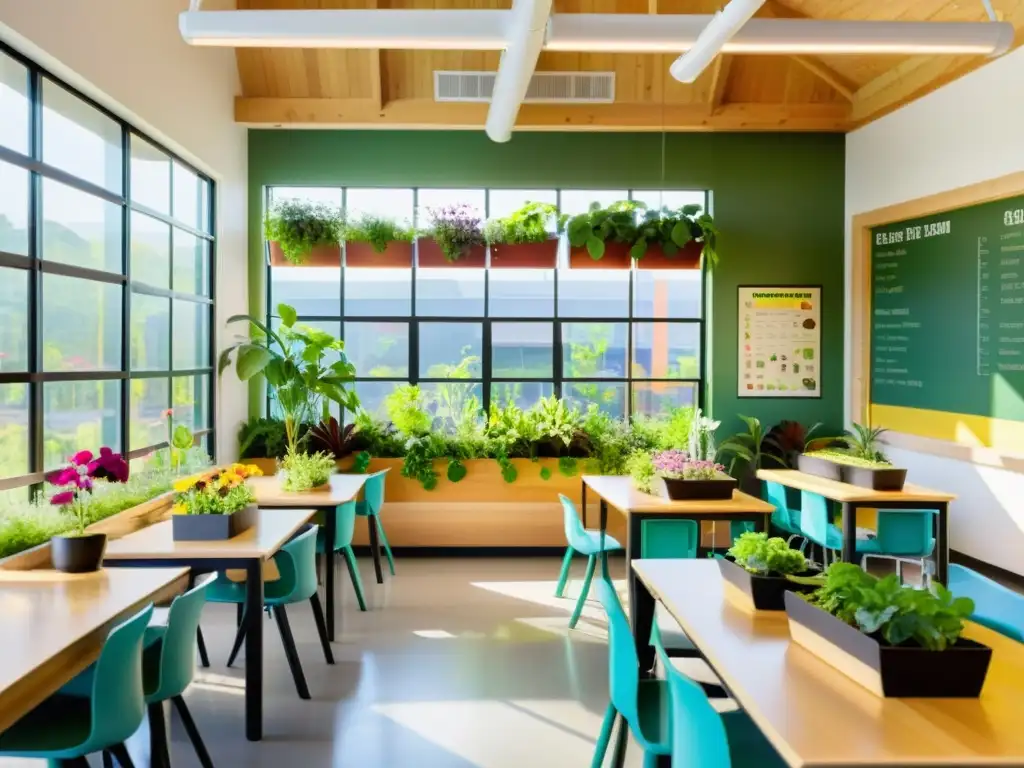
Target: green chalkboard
{"points": [[947, 311]]}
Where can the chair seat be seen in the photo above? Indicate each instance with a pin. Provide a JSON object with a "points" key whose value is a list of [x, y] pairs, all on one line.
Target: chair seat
{"points": [[53, 729], [748, 747], [590, 544]]}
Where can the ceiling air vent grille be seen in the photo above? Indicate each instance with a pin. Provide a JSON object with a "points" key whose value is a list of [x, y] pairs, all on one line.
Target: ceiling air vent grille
{"points": [[545, 87]]}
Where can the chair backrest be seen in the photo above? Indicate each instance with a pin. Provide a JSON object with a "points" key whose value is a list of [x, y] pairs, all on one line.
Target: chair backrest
{"points": [[575, 534], [118, 702], [296, 562], [669, 539], [373, 492], [699, 739], [995, 606], [178, 645], [906, 532], [775, 494], [344, 524], [623, 662], [814, 520]]}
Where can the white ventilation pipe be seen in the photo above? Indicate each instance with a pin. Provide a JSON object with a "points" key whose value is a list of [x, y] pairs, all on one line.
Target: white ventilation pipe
{"points": [[725, 24], [518, 62]]}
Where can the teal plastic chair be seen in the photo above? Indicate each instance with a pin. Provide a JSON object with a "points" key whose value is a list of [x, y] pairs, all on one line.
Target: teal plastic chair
{"points": [[296, 562], [68, 727], [995, 606], [370, 508], [704, 738], [344, 530], [586, 543], [784, 518]]}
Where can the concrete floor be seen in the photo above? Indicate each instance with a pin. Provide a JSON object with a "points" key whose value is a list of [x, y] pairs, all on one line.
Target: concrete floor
{"points": [[460, 663]]}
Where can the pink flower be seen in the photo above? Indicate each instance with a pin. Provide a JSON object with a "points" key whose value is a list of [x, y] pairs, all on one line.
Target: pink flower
{"points": [[670, 463], [63, 498], [82, 457], [109, 466], [168, 413]]}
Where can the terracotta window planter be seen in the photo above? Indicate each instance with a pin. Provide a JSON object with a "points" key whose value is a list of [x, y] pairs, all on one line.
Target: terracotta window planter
{"points": [[687, 257], [398, 255], [616, 256], [320, 256], [432, 257], [525, 255]]}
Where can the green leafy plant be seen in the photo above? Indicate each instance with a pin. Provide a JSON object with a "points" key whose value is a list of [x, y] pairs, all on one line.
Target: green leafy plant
{"points": [[842, 457], [298, 226], [293, 361], [765, 556], [179, 439], [406, 406], [377, 231], [361, 463], [456, 470], [862, 443], [640, 467], [455, 229], [307, 470], [609, 442], [747, 449], [897, 615], [377, 437], [262, 438], [555, 421], [533, 223], [593, 229], [330, 437], [420, 454], [545, 474], [672, 229], [509, 432], [568, 466]]}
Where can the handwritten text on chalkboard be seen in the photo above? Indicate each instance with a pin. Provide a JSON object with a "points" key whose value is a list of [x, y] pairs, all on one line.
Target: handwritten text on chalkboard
{"points": [[918, 232]]}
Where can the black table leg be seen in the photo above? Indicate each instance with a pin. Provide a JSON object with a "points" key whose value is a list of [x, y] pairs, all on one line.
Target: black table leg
{"points": [[375, 547], [330, 532], [942, 544], [254, 650], [583, 502], [641, 603], [849, 532], [604, 532]]}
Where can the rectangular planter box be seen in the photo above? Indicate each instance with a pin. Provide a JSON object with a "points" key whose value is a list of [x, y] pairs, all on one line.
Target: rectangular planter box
{"points": [[703, 490], [763, 593], [525, 255], [957, 672], [616, 256], [213, 527], [320, 256], [687, 257], [398, 255], [881, 479], [430, 256]]}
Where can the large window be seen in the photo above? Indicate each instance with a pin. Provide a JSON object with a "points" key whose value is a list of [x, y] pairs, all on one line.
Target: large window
{"points": [[106, 307], [629, 341]]}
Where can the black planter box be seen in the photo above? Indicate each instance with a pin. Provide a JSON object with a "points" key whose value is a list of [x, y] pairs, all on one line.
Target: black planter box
{"points": [[765, 593], [880, 479], [702, 490], [78, 554], [901, 672], [213, 527]]}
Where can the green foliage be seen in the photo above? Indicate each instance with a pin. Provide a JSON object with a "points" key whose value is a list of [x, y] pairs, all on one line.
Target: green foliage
{"points": [[701, 446], [509, 431], [298, 226], [862, 443], [767, 557], [419, 458], [568, 466], [592, 230], [555, 420], [746, 449], [545, 474], [842, 457], [672, 229], [262, 438], [456, 470], [407, 408], [377, 438], [361, 463], [307, 470], [378, 231], [640, 467], [509, 473], [530, 224], [609, 442], [898, 615]]}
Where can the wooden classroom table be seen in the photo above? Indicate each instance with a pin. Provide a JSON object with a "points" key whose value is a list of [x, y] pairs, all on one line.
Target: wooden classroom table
{"points": [[619, 492], [54, 625], [854, 497], [343, 488], [155, 547], [813, 714]]}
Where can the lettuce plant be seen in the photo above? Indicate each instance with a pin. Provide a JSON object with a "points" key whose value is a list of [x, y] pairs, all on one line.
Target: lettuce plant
{"points": [[533, 223], [765, 556]]}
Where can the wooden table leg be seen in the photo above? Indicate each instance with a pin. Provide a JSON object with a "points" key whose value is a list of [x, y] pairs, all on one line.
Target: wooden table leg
{"points": [[254, 650]]}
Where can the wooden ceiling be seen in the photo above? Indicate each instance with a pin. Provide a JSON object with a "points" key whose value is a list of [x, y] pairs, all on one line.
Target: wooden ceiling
{"points": [[394, 89]]}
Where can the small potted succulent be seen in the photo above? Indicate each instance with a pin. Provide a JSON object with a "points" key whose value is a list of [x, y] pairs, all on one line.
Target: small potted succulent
{"points": [[378, 242], [215, 505], [77, 551], [602, 237], [892, 639], [303, 234], [455, 238], [674, 239], [761, 569], [685, 478], [526, 238], [307, 471], [860, 463]]}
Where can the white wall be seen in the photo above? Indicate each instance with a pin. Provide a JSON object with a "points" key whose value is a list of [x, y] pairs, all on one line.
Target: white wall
{"points": [[964, 133], [128, 55]]}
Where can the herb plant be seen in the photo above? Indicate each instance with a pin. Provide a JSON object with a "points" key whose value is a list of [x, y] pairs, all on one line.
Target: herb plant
{"points": [[674, 229], [406, 406], [378, 438], [862, 443], [456, 229], [765, 556], [640, 466], [307, 470], [378, 232], [592, 230], [298, 226], [533, 223], [264, 438]]}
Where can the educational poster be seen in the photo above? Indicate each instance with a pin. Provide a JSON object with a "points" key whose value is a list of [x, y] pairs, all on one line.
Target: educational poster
{"points": [[779, 342]]}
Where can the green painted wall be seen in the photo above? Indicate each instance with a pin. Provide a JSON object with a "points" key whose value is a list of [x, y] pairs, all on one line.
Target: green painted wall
{"points": [[777, 200]]}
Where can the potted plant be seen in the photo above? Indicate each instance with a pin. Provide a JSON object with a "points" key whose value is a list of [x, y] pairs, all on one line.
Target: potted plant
{"points": [[455, 238], [674, 239], [761, 569], [214, 505], [701, 445], [860, 463], [378, 242], [302, 233], [602, 237], [307, 471], [76, 551], [524, 239], [684, 478], [894, 640]]}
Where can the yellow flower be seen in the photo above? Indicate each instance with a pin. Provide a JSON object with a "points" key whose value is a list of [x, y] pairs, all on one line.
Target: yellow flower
{"points": [[179, 509], [185, 483], [253, 470]]}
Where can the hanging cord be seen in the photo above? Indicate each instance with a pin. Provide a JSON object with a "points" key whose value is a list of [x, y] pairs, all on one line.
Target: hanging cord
{"points": [[991, 12]]}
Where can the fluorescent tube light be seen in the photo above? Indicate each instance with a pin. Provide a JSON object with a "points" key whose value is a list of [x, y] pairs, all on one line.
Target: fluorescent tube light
{"points": [[726, 23]]}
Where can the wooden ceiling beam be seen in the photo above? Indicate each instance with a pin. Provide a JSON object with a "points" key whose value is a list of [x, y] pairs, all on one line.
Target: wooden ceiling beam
{"points": [[719, 81], [426, 113]]}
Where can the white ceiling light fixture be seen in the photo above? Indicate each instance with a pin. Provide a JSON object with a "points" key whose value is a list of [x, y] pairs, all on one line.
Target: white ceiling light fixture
{"points": [[722, 27]]}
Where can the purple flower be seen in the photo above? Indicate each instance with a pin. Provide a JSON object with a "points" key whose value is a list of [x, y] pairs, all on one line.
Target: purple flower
{"points": [[670, 463], [456, 229], [81, 458], [676, 465], [109, 466], [63, 498]]}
